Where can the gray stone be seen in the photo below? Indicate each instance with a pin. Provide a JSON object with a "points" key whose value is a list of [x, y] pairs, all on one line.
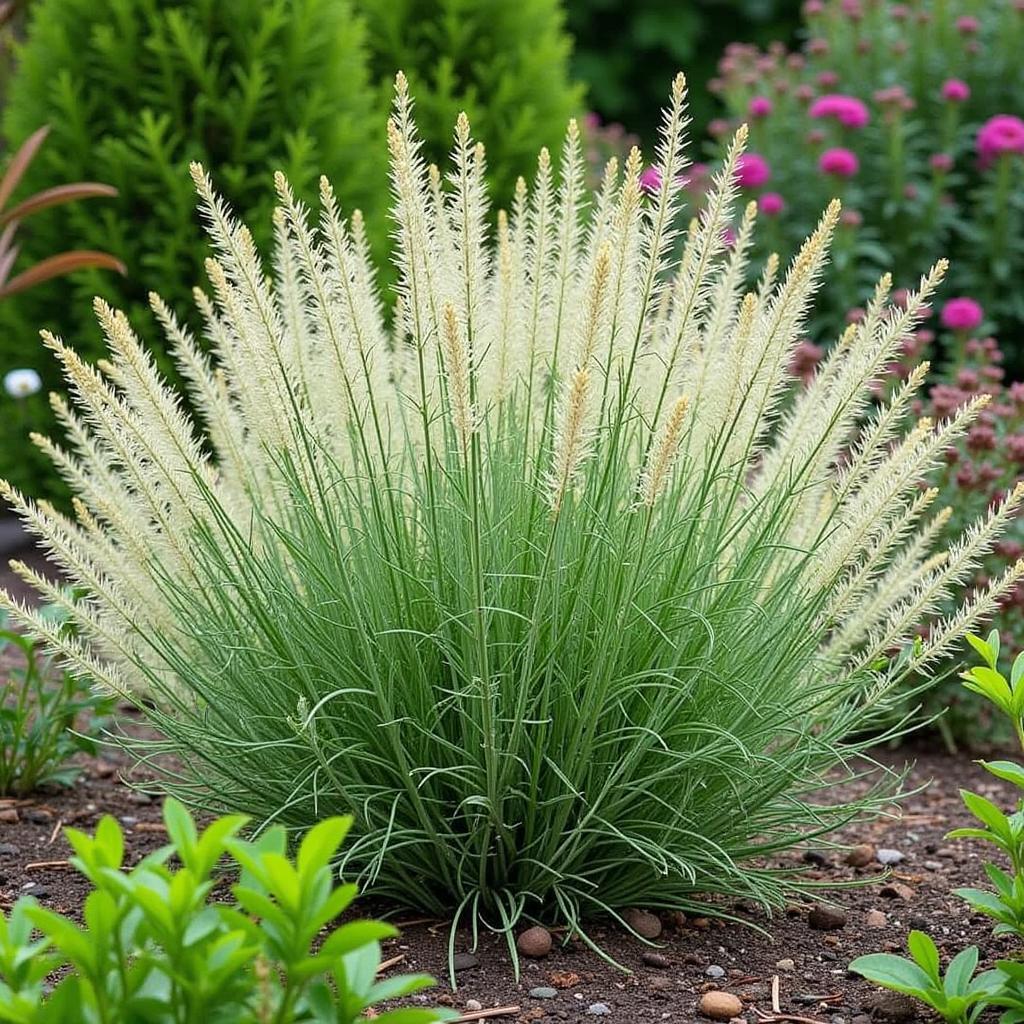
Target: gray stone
{"points": [[889, 857], [543, 992], [714, 971], [464, 961], [598, 1010]]}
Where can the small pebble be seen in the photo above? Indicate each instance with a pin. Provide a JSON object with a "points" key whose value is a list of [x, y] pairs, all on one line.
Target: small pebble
{"points": [[814, 857], [889, 857], [644, 923], [598, 1010], [8, 850], [897, 891], [714, 971], [464, 961], [861, 855], [932, 865], [138, 797], [472, 1005], [653, 959], [534, 942], [826, 919], [37, 816], [720, 1005], [34, 889], [543, 992], [786, 964], [876, 919]]}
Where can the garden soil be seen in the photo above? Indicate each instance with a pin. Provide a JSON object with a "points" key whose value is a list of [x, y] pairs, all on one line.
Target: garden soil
{"points": [[797, 972]]}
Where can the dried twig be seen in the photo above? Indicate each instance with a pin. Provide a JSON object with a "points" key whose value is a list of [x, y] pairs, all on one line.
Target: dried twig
{"points": [[494, 1011], [385, 964], [39, 865]]}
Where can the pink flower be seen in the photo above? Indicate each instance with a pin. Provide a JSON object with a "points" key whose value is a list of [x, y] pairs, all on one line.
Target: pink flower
{"points": [[650, 179], [842, 163], [718, 127], [760, 106], [828, 79], [955, 90], [847, 110], [1003, 133], [962, 314], [941, 162], [967, 25], [771, 204], [851, 218], [813, 7], [752, 170]]}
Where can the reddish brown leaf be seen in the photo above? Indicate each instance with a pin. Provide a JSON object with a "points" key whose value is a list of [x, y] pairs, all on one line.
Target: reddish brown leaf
{"points": [[55, 196], [56, 266], [19, 163]]}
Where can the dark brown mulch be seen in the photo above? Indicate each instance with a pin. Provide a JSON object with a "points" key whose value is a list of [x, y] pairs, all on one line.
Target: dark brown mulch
{"points": [[810, 964]]}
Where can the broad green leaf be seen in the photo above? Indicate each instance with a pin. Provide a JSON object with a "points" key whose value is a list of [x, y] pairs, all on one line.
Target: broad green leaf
{"points": [[895, 972], [960, 971], [1009, 771], [320, 844], [925, 954]]}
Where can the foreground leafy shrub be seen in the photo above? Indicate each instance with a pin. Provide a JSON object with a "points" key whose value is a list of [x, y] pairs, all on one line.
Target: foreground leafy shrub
{"points": [[546, 589], [46, 717], [135, 89], [505, 64], [154, 949], [960, 996], [913, 114]]}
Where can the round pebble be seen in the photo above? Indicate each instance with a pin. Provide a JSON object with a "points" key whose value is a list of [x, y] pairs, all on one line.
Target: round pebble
{"points": [[472, 1005], [720, 1005], [653, 959], [714, 971], [786, 964], [598, 1010], [534, 942], [543, 992], [644, 923], [889, 857], [861, 855]]}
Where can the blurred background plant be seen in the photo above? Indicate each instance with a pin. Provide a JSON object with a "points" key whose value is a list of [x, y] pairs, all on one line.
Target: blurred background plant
{"points": [[911, 114], [624, 51], [47, 715], [505, 64], [135, 89]]}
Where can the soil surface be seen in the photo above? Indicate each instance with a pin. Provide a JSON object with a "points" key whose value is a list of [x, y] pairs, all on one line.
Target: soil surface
{"points": [[690, 957]]}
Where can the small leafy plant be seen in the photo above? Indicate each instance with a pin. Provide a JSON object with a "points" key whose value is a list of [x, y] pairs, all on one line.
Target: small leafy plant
{"points": [[154, 949], [46, 716], [958, 996], [961, 995]]}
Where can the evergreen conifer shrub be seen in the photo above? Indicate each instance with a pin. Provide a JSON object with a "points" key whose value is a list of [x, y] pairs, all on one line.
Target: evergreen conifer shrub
{"points": [[505, 64], [133, 90]]}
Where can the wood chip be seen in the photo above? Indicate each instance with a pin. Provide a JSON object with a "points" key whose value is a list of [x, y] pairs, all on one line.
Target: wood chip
{"points": [[149, 826], [775, 995], [55, 832]]}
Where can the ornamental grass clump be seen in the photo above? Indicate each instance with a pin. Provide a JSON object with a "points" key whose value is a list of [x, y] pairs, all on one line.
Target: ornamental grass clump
{"points": [[546, 583]]}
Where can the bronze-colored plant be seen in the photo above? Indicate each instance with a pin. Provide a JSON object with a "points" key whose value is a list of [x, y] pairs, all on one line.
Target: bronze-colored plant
{"points": [[11, 218]]}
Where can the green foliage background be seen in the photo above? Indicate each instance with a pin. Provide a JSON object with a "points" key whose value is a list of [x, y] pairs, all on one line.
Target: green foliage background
{"points": [[505, 63], [135, 89]]}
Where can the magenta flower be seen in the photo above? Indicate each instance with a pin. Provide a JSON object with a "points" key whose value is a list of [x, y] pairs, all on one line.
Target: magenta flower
{"points": [[962, 314], [771, 204], [847, 110], [967, 25], [941, 162], [760, 106], [813, 7], [955, 90], [1003, 133], [840, 162], [650, 179], [752, 170]]}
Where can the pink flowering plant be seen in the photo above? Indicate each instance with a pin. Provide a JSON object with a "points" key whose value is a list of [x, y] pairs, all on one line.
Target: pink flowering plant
{"points": [[913, 114]]}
